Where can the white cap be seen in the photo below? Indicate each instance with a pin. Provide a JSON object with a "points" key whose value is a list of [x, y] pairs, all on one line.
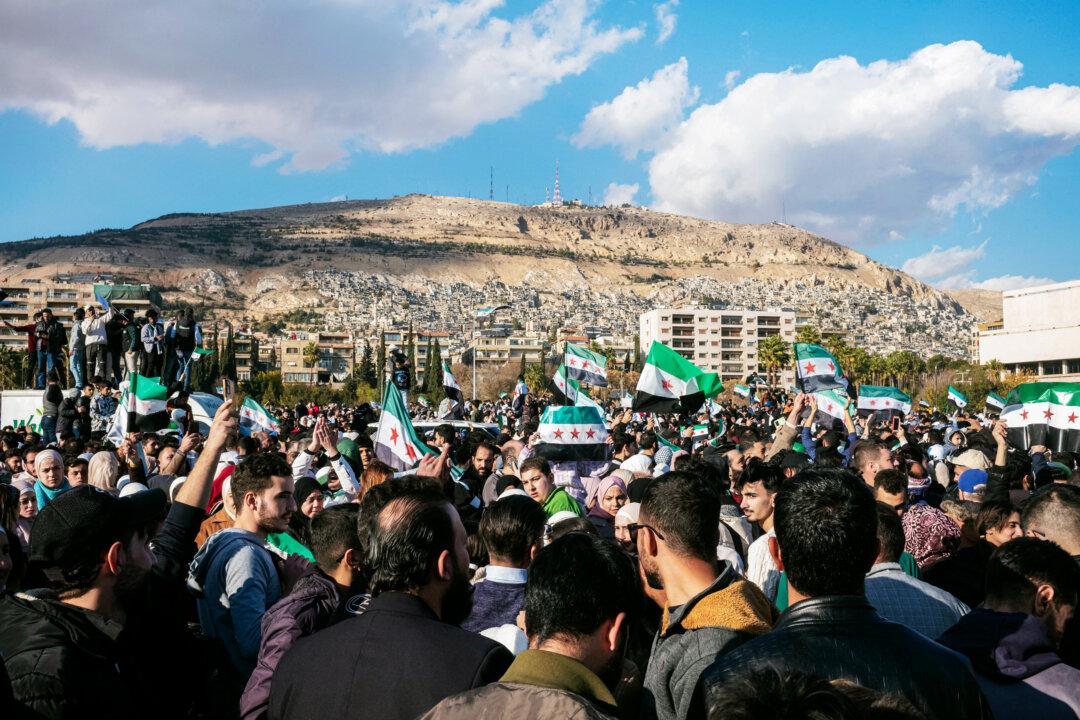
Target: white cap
{"points": [[510, 491], [130, 488], [561, 516]]}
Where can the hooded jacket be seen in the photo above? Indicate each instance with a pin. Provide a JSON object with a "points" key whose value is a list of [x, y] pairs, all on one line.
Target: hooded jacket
{"points": [[62, 660], [1016, 665], [723, 616], [235, 580]]}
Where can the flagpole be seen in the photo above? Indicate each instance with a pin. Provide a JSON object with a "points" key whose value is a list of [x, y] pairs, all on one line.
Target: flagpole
{"points": [[474, 357]]}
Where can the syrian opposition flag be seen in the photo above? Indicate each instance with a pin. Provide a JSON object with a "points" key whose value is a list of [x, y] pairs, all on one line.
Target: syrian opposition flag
{"points": [[957, 398], [489, 311], [572, 433], [1044, 414], [564, 389], [255, 418], [742, 391], [816, 369], [830, 409], [145, 405], [668, 444], [882, 402], [924, 403], [993, 400], [450, 384], [396, 441], [199, 353], [585, 366], [671, 383]]}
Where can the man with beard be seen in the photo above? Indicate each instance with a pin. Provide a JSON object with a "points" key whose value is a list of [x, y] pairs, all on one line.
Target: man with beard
{"points": [[406, 652], [234, 574], [708, 608], [62, 654], [581, 598]]}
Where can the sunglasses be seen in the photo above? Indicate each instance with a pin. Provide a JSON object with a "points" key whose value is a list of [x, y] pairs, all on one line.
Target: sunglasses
{"points": [[633, 528]]}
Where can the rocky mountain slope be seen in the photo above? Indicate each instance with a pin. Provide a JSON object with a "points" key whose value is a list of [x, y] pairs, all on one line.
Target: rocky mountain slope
{"points": [[350, 260]]}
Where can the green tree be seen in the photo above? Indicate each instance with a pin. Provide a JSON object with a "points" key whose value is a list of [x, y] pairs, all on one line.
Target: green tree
{"points": [[367, 367], [311, 355], [535, 378], [272, 365], [426, 381], [774, 354], [228, 361], [380, 368], [638, 360], [435, 389], [521, 370], [808, 334], [410, 351], [11, 368]]}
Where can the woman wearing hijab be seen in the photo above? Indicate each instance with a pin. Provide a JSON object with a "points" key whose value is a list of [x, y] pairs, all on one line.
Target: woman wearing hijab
{"points": [[103, 471], [49, 466], [610, 497]]}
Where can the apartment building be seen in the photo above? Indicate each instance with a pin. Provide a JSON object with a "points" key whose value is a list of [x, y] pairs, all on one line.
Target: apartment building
{"points": [[63, 295], [494, 349], [333, 361], [720, 341], [247, 355]]}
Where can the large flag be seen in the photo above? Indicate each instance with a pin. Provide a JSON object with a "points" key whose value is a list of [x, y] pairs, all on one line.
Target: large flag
{"points": [[882, 402], [450, 384], [957, 398], [1044, 413], [669, 383], [145, 404], [564, 389], [585, 365], [816, 369], [199, 353], [255, 418], [995, 402], [396, 441], [583, 400], [490, 310], [572, 433], [830, 409]]}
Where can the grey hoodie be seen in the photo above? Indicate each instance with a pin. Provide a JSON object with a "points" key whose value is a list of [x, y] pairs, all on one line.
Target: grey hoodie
{"points": [[235, 581]]}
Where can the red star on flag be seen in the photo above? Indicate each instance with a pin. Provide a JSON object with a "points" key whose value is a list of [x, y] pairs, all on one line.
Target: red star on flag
{"points": [[559, 434], [809, 367], [1072, 418], [1047, 414], [665, 384], [571, 362], [873, 403], [393, 435], [1024, 414], [831, 366], [575, 434], [590, 434], [410, 451]]}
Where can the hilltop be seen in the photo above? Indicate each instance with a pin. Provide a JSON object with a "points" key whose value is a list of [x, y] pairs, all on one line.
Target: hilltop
{"points": [[364, 260]]}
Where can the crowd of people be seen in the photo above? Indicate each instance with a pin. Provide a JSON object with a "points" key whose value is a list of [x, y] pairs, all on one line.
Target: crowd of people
{"points": [[919, 567]]}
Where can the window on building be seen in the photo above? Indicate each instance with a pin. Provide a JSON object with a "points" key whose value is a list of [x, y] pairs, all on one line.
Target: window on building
{"points": [[1072, 366]]}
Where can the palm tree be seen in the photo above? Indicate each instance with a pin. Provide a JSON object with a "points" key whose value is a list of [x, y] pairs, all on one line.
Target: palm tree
{"points": [[311, 355], [878, 368], [996, 370], [808, 334], [774, 354]]}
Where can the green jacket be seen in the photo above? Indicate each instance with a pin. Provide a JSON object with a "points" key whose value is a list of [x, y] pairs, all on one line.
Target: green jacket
{"points": [[560, 500]]}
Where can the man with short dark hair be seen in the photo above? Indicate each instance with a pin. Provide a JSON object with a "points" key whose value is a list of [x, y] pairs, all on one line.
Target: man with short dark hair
{"points": [[318, 600], [577, 623], [870, 457], [758, 485], [62, 655], [405, 653], [234, 574], [31, 344], [480, 475], [1012, 638], [890, 488], [708, 608], [513, 532], [826, 541], [899, 597]]}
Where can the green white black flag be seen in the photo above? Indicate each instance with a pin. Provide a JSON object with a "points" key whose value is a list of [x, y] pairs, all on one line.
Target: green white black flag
{"points": [[670, 383], [1044, 414]]}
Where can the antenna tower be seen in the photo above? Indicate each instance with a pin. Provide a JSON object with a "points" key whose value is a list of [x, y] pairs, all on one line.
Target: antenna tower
{"points": [[491, 183], [556, 199]]}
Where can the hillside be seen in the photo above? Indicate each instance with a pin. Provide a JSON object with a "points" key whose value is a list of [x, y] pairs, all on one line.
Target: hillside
{"points": [[356, 261]]}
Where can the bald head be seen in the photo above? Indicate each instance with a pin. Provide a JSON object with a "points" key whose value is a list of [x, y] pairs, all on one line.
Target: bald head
{"points": [[1054, 514]]}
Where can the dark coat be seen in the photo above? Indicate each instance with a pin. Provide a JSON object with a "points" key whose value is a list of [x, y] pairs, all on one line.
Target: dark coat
{"points": [[963, 574], [62, 660], [394, 662], [842, 636]]}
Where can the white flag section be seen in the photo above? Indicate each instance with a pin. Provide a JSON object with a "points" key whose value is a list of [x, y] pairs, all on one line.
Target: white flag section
{"points": [[396, 441]]}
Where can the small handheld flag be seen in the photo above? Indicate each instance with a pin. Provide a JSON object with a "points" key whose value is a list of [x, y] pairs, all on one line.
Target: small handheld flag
{"points": [[882, 402], [816, 369], [671, 383], [255, 418], [995, 401], [957, 398], [585, 365], [396, 441]]}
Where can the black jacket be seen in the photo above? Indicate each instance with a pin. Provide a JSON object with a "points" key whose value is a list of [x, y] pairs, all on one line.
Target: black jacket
{"points": [[396, 661], [62, 660], [842, 636], [963, 574]]}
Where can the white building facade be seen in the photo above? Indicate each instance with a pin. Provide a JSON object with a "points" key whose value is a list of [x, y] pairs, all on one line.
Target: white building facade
{"points": [[1039, 333], [720, 341]]}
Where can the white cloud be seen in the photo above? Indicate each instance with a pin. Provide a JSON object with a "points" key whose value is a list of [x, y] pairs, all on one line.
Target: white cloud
{"points": [[731, 79], [1012, 282], [617, 194], [940, 263], [640, 116], [861, 151], [314, 81], [666, 20]]}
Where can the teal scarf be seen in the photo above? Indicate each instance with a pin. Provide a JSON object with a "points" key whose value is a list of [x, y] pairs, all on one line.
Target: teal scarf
{"points": [[46, 495]]}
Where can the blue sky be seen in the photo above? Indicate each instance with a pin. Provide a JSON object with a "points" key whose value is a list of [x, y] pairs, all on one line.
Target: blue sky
{"points": [[744, 112]]}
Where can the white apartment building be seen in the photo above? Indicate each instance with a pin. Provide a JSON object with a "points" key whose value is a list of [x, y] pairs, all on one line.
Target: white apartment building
{"points": [[1039, 332], [720, 341]]}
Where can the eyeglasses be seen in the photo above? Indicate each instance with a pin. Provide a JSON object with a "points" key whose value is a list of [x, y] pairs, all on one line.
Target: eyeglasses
{"points": [[633, 528]]}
